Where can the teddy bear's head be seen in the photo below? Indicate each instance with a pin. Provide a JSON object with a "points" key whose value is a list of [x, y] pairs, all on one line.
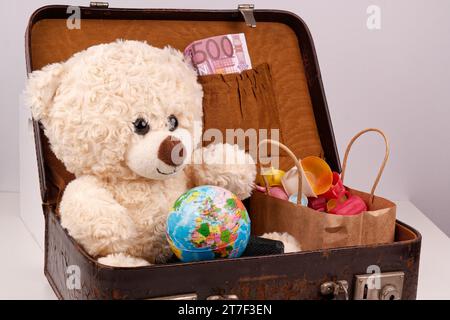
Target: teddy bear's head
{"points": [[124, 109]]}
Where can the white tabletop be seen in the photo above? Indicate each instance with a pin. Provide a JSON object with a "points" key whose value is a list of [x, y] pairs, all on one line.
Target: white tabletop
{"points": [[434, 278], [22, 265], [22, 276]]}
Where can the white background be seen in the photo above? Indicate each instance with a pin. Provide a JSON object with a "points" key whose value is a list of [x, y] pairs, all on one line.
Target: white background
{"points": [[396, 79]]}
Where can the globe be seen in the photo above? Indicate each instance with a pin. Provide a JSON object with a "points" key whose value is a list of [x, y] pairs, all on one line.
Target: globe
{"points": [[206, 223]]}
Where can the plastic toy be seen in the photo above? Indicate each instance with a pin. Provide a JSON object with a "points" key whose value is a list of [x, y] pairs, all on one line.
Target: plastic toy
{"points": [[337, 189], [318, 173], [319, 204], [317, 177], [348, 206], [273, 177], [276, 192], [290, 183], [293, 199]]}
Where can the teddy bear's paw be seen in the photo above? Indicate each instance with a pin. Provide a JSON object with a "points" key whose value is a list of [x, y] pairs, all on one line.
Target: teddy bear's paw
{"points": [[229, 167], [94, 218], [113, 234], [122, 260], [116, 225]]}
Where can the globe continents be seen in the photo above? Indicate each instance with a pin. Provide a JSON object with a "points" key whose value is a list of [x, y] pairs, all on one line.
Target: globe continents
{"points": [[208, 222]]}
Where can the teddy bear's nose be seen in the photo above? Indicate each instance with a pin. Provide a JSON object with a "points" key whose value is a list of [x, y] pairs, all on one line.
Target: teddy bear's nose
{"points": [[171, 151]]}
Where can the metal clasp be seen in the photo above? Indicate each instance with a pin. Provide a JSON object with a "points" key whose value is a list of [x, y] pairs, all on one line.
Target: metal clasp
{"points": [[379, 286], [247, 12], [334, 289], [98, 4]]}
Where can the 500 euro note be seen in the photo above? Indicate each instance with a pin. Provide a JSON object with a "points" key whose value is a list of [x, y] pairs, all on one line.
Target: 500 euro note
{"points": [[219, 55]]}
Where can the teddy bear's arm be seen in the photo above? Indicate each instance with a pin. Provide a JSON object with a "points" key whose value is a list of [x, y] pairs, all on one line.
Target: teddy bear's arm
{"points": [[94, 218], [226, 166]]}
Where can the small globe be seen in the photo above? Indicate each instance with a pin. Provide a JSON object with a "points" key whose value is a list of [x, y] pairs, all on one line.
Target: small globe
{"points": [[208, 222]]}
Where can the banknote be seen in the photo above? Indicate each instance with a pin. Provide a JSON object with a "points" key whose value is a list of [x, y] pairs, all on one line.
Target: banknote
{"points": [[219, 55]]}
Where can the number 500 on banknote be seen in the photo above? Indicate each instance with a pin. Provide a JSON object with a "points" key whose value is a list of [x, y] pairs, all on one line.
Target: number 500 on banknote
{"points": [[219, 55]]}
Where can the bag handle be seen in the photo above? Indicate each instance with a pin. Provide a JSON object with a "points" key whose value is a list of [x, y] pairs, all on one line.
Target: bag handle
{"points": [[383, 164], [296, 162]]}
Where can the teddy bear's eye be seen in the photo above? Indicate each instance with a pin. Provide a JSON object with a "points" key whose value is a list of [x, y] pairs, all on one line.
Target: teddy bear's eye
{"points": [[141, 126], [173, 122]]}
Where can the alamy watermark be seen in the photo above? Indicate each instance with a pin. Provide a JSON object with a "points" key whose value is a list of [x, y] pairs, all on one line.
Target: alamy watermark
{"points": [[374, 280], [248, 140], [73, 22], [374, 17], [73, 280]]}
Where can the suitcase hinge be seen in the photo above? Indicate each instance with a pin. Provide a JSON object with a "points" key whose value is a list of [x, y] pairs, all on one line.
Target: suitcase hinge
{"points": [[102, 5], [247, 12]]}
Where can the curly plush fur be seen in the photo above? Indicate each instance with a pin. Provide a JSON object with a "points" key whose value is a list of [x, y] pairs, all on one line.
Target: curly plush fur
{"points": [[289, 242], [118, 203]]}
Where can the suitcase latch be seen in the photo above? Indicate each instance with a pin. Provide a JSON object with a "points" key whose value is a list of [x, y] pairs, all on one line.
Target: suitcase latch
{"points": [[333, 289], [247, 12], [98, 4], [379, 286]]}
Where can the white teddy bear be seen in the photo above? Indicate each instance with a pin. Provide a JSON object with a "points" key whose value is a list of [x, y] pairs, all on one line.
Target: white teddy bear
{"points": [[126, 119]]}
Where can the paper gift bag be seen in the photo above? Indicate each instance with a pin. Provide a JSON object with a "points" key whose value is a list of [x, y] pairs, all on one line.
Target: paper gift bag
{"points": [[319, 230]]}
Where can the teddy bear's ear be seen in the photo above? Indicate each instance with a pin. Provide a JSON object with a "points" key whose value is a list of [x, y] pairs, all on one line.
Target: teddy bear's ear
{"points": [[41, 88]]}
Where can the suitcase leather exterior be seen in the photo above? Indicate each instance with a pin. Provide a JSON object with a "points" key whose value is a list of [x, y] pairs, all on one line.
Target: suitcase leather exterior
{"points": [[287, 276]]}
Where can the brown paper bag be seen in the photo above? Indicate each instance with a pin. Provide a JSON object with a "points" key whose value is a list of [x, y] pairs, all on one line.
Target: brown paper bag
{"points": [[318, 230]]}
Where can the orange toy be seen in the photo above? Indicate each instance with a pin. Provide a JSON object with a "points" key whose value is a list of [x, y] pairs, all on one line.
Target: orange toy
{"points": [[318, 173]]}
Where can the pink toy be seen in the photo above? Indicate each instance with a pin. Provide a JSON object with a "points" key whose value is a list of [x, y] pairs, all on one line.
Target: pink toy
{"points": [[350, 206], [337, 190], [319, 204], [276, 192]]}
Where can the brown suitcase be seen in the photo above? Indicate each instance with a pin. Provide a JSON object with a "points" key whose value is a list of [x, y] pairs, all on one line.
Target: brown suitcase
{"points": [[281, 39]]}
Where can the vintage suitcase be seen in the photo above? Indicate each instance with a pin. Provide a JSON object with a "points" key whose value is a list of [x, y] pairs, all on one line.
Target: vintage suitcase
{"points": [[280, 39]]}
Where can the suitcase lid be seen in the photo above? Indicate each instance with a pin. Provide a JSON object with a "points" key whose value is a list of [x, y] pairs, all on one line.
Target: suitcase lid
{"points": [[280, 39]]}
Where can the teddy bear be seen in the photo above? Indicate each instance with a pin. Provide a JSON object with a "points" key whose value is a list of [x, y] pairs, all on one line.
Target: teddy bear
{"points": [[126, 119]]}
